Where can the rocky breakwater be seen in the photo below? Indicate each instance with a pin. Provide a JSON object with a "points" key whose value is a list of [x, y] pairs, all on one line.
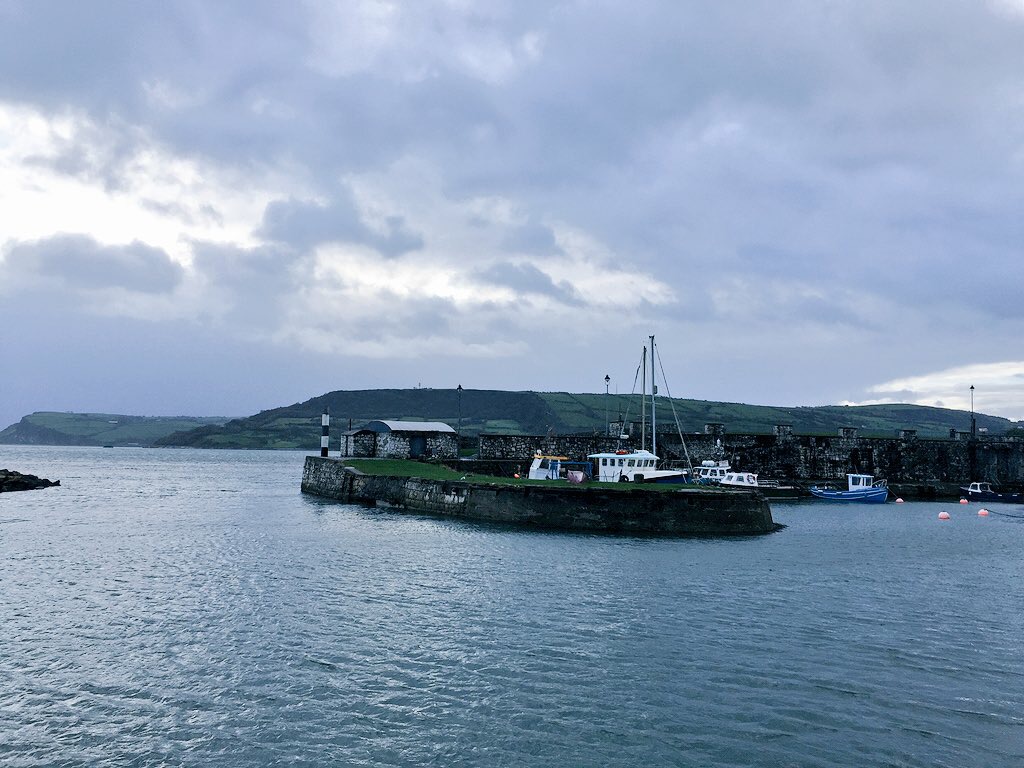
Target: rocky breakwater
{"points": [[15, 481], [555, 505]]}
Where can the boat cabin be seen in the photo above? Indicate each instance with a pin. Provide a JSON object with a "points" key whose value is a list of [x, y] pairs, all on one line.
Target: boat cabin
{"points": [[980, 488], [861, 482]]}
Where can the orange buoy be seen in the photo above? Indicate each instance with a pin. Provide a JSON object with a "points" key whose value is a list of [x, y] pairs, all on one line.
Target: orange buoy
{"points": [[899, 501], [983, 513], [516, 475], [963, 501], [943, 515]]}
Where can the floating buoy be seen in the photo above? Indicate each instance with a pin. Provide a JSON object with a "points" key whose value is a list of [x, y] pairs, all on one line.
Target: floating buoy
{"points": [[943, 515], [899, 501], [983, 513], [963, 501]]}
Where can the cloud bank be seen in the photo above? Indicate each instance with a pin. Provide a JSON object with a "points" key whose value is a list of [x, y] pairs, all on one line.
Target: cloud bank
{"points": [[514, 195]]}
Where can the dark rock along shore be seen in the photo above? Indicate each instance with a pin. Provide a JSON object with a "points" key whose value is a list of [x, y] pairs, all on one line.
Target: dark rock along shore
{"points": [[15, 481]]}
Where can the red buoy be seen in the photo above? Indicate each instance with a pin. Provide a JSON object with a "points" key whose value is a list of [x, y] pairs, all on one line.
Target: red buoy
{"points": [[983, 513], [963, 501], [943, 515]]}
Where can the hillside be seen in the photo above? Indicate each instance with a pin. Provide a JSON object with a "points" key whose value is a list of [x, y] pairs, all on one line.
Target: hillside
{"points": [[298, 426], [52, 428]]}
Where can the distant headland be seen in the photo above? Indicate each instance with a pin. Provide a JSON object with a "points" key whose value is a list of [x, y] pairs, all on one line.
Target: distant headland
{"points": [[476, 411]]}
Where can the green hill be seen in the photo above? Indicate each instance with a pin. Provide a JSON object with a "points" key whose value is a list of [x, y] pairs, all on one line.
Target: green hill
{"points": [[52, 428], [298, 426]]}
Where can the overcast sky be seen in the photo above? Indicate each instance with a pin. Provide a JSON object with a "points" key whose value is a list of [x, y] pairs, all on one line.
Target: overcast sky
{"points": [[217, 208]]}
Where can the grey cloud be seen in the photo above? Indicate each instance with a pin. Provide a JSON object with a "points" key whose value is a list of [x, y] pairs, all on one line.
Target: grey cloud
{"points": [[527, 279], [305, 224], [79, 262]]}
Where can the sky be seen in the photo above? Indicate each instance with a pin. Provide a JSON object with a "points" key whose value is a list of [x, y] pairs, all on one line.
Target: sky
{"points": [[213, 209]]}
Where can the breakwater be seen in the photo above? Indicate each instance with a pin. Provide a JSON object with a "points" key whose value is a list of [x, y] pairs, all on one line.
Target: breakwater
{"points": [[684, 512]]}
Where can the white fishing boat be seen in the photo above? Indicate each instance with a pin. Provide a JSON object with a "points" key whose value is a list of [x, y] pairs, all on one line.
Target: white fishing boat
{"points": [[770, 488], [712, 472], [633, 467]]}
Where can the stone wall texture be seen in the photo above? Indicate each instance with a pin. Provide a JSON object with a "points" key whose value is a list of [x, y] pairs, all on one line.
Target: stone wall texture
{"points": [[802, 458]]}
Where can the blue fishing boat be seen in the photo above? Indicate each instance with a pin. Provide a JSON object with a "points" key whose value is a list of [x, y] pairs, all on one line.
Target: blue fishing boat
{"points": [[862, 488]]}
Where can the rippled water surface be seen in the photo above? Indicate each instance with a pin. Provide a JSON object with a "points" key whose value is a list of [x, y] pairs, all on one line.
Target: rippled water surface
{"points": [[193, 608]]}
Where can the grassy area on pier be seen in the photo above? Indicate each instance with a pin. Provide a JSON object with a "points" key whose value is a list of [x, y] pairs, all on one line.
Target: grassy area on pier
{"points": [[432, 471]]}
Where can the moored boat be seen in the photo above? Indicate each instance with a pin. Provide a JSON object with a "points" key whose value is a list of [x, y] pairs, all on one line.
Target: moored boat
{"points": [[985, 492], [633, 467], [772, 489], [711, 472], [545, 467], [862, 488]]}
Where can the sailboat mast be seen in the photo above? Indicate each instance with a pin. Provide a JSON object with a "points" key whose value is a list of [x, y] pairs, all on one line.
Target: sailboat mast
{"points": [[643, 399], [654, 391]]}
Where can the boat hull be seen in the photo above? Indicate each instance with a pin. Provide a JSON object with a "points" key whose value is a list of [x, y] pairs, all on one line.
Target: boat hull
{"points": [[865, 496]]}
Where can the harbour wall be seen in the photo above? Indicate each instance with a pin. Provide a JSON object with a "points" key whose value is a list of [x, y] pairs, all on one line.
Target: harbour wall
{"points": [[687, 512], [802, 458]]}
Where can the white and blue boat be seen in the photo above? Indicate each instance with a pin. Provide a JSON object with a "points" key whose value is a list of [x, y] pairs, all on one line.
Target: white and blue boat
{"points": [[985, 492], [863, 488]]}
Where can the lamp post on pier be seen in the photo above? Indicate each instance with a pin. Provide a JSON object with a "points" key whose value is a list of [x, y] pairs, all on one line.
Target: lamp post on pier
{"points": [[974, 430], [459, 430]]}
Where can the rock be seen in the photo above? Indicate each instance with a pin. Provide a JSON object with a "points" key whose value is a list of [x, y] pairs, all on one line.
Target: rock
{"points": [[15, 481]]}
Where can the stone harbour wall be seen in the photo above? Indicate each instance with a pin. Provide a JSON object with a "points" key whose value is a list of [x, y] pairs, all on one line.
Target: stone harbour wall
{"points": [[803, 458], [688, 512]]}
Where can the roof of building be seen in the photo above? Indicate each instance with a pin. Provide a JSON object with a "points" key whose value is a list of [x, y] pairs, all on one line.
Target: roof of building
{"points": [[409, 426]]}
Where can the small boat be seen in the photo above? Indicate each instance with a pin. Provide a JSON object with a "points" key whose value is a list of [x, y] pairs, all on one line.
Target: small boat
{"points": [[772, 489], [634, 467], [545, 467], [985, 492], [711, 472], [740, 479], [863, 488]]}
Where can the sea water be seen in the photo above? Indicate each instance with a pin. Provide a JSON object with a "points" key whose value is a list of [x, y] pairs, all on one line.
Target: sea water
{"points": [[185, 607]]}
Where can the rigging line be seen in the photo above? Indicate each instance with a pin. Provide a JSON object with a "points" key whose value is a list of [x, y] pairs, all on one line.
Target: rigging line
{"points": [[629, 400], [675, 416]]}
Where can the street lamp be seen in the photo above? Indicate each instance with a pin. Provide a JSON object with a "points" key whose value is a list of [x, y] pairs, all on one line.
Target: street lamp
{"points": [[607, 426], [459, 431], [973, 422]]}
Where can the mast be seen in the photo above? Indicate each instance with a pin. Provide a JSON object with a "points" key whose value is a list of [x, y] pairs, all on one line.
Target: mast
{"points": [[643, 399], [654, 391]]}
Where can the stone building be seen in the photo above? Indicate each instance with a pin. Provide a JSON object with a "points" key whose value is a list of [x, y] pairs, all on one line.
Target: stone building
{"points": [[401, 440]]}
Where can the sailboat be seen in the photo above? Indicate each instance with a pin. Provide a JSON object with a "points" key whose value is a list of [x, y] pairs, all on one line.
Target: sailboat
{"points": [[639, 466]]}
